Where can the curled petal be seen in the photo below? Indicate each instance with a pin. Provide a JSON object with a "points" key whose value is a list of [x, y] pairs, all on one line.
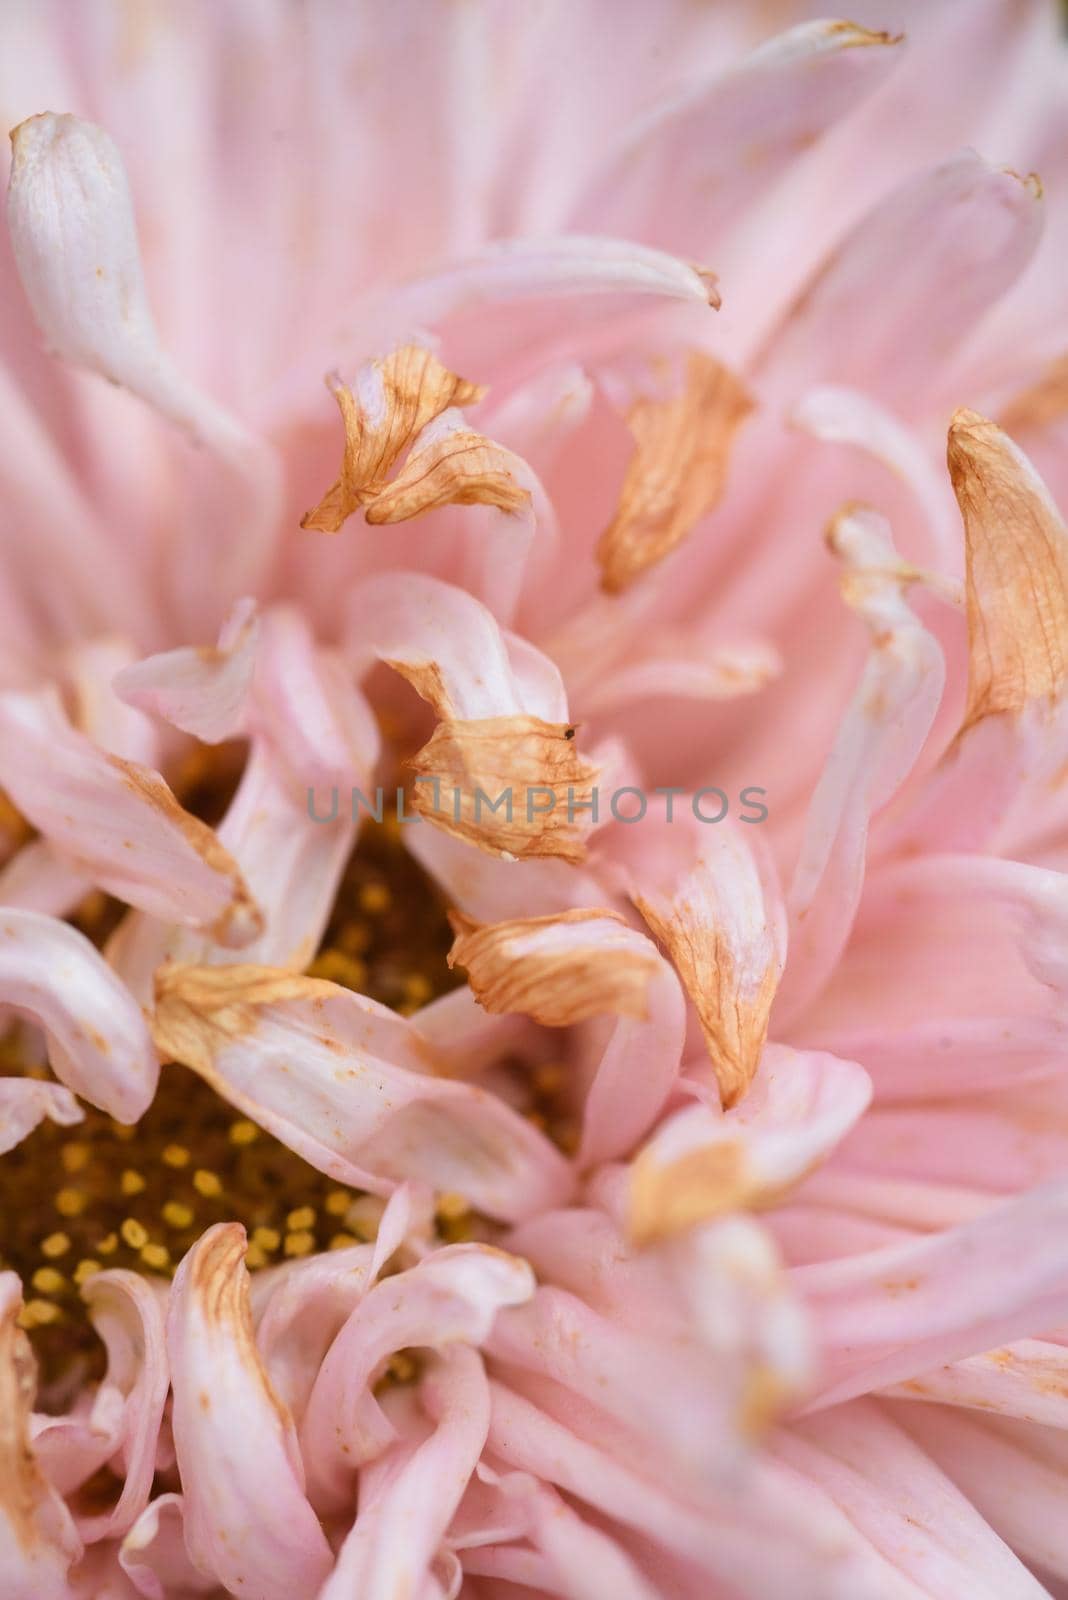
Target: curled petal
{"points": [[679, 469], [451, 466], [98, 1042], [154, 1556], [201, 689], [247, 1520], [400, 1526], [26, 1102], [454, 1295], [37, 1537], [393, 399], [119, 822], [350, 1086], [699, 1165], [128, 1315]]}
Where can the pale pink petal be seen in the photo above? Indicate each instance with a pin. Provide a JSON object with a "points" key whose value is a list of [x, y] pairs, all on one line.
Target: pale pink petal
{"points": [[248, 1523], [200, 689], [99, 711], [118, 822], [912, 1513], [357, 1097], [938, 253], [38, 879], [98, 1042], [38, 1541], [1014, 1474], [880, 736], [74, 236], [454, 1295], [154, 1556], [684, 171], [397, 1532], [893, 1314], [26, 1102], [1027, 1380], [127, 1313]]}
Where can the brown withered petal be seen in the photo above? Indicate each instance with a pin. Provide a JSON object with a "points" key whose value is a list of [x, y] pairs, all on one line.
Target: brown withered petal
{"points": [[1042, 403], [1017, 572], [732, 987], [678, 471], [468, 765], [413, 387], [461, 468], [195, 1005], [542, 968]]}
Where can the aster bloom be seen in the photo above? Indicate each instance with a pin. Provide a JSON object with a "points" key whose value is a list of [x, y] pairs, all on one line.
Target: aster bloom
{"points": [[630, 1162]]}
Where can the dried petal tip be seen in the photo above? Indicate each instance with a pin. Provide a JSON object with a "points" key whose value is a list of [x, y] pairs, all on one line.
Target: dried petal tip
{"points": [[459, 468], [513, 785], [557, 969], [711, 283], [1017, 573], [678, 471], [393, 400], [850, 36]]}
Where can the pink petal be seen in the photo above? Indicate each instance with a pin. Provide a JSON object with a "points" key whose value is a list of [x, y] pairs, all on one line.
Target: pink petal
{"points": [[357, 1097], [399, 1528], [201, 690], [1027, 1380], [685, 170], [894, 1314], [37, 1537], [118, 822], [912, 1513], [454, 1294], [127, 1313], [154, 1556], [248, 1523], [26, 1102], [939, 252], [879, 739], [98, 1042]]}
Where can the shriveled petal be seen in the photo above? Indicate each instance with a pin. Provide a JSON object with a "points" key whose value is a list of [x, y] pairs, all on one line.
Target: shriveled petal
{"points": [[119, 822], [200, 689], [454, 1295], [699, 1165], [128, 1315], [451, 465], [723, 928], [392, 401], [880, 737], [396, 1535], [247, 1521], [26, 1102], [678, 471], [515, 786], [1017, 552], [567, 968], [98, 1042], [37, 1537], [349, 1085], [692, 163], [557, 969]]}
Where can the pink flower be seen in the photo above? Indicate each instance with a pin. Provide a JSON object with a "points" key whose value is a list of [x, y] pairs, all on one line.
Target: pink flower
{"points": [[703, 1234]]}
